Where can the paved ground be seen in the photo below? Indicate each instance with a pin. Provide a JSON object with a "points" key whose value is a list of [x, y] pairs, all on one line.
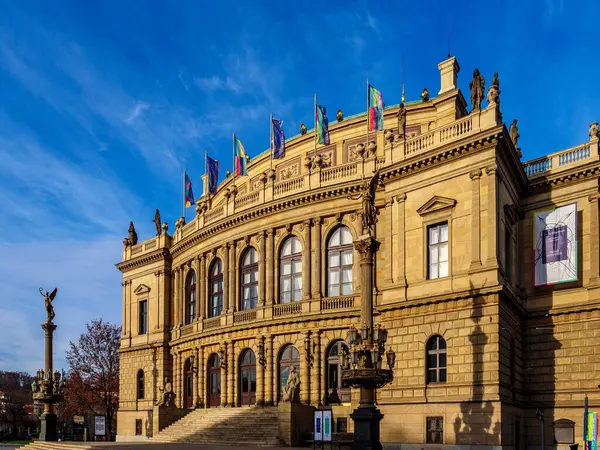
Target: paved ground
{"points": [[154, 446]]}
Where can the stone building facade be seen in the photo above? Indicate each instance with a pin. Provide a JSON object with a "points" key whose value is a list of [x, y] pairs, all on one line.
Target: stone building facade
{"points": [[265, 277]]}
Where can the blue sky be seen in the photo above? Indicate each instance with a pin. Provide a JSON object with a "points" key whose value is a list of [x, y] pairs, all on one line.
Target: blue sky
{"points": [[104, 104]]}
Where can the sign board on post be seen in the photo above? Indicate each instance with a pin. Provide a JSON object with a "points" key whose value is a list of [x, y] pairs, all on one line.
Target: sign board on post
{"points": [[318, 431], [327, 425], [99, 425]]}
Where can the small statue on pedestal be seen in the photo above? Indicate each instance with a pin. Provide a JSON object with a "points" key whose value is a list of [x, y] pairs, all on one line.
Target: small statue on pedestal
{"points": [[133, 237], [48, 298], [401, 115], [514, 133], [477, 87], [167, 396], [293, 381], [157, 221]]}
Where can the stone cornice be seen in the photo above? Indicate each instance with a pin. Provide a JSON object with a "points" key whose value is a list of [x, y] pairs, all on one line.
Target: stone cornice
{"points": [[157, 255], [576, 173]]}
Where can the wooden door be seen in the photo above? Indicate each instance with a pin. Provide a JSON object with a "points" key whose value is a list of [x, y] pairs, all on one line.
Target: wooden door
{"points": [[214, 381], [188, 386], [247, 378]]}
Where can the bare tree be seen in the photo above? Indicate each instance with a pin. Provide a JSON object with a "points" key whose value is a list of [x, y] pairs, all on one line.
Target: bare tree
{"points": [[16, 394], [93, 382]]}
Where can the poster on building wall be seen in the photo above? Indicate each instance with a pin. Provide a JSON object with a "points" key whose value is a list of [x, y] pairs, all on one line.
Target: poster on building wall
{"points": [[318, 426], [555, 245], [327, 425], [99, 425]]}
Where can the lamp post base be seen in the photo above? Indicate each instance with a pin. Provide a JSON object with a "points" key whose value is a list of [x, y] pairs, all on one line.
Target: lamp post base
{"points": [[48, 425], [366, 428]]}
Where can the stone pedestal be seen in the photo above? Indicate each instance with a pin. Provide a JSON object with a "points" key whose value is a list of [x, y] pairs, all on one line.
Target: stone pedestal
{"points": [[48, 427], [295, 419], [366, 428]]}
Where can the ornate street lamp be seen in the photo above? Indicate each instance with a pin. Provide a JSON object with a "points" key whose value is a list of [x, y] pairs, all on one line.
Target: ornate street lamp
{"points": [[367, 347], [262, 353]]}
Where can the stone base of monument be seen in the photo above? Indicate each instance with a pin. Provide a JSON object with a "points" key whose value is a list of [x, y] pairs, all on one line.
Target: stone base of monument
{"points": [[163, 416], [48, 427], [366, 428], [295, 419]]}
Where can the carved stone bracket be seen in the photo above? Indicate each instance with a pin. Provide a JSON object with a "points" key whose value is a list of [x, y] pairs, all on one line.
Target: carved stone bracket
{"points": [[475, 174]]}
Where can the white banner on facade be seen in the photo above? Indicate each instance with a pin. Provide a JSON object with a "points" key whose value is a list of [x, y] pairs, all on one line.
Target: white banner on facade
{"points": [[327, 425], [318, 426], [99, 425], [555, 245]]}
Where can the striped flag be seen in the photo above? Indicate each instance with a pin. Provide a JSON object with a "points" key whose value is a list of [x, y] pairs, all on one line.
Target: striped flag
{"points": [[241, 168], [375, 108], [188, 193]]}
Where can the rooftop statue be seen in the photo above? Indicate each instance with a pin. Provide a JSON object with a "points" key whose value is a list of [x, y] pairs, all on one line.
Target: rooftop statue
{"points": [[157, 221], [514, 133], [48, 298], [401, 115], [477, 87], [133, 237]]}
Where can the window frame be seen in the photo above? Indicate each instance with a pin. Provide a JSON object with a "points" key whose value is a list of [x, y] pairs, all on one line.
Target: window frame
{"points": [[143, 316], [212, 280], [339, 250], [343, 392], [140, 385], [439, 225], [251, 268], [437, 352], [440, 433], [287, 363], [292, 258], [191, 297]]}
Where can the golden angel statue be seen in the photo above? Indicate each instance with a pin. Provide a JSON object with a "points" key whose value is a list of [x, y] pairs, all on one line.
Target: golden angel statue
{"points": [[48, 298]]}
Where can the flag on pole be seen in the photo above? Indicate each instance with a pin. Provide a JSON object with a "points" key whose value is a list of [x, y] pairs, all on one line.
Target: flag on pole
{"points": [[189, 194], [241, 168], [278, 139], [322, 125], [212, 169], [375, 108]]}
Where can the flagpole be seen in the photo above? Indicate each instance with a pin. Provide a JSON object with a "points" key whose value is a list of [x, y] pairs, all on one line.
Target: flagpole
{"points": [[233, 154], [207, 176], [271, 139], [368, 116], [315, 115], [184, 195]]}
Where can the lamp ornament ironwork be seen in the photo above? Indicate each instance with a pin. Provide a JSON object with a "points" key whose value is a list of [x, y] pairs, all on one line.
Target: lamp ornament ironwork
{"points": [[262, 353], [222, 355]]}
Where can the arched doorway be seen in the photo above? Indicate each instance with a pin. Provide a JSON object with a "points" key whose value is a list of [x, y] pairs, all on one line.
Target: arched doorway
{"points": [[214, 381], [188, 385], [289, 357], [337, 391], [247, 378]]}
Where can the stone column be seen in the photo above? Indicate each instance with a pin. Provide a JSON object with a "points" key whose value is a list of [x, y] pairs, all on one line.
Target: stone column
{"points": [[261, 269], [224, 371], [260, 376], [492, 204], [175, 377], [401, 246], [390, 260], [176, 296], [201, 371], [233, 300], [225, 258], [198, 265], [306, 256], [158, 325], [48, 431], [304, 370], [594, 247], [231, 391], [205, 287], [316, 255], [270, 268], [198, 364], [269, 398], [315, 396], [475, 220]]}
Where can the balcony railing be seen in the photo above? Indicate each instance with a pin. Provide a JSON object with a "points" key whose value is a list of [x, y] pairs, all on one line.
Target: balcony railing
{"points": [[244, 316], [337, 303], [212, 322], [562, 159], [285, 309]]}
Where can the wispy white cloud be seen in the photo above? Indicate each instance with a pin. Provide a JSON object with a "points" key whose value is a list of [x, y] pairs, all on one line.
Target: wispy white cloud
{"points": [[137, 111], [216, 83]]}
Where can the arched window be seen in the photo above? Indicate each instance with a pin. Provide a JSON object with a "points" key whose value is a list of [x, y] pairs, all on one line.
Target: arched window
{"points": [[140, 385], [340, 257], [214, 381], [190, 297], [290, 270], [249, 275], [436, 360], [337, 392], [289, 357], [247, 377], [216, 289]]}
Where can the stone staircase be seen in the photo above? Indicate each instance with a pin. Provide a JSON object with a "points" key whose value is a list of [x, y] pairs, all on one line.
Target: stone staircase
{"points": [[225, 426]]}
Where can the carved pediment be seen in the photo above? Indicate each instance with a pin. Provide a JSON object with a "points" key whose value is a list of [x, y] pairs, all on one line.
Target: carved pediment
{"points": [[141, 289], [436, 203]]}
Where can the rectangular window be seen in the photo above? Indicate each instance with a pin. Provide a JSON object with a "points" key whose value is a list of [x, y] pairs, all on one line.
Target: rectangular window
{"points": [[435, 430], [138, 427], [143, 317], [437, 258]]}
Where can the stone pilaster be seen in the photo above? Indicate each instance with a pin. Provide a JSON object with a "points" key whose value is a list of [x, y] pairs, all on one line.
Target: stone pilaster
{"points": [[176, 297], [260, 376], [306, 257], [315, 375], [475, 219], [198, 264], [270, 236], [269, 396], [233, 297], [198, 364], [305, 369], [205, 286], [226, 290], [316, 256], [389, 253], [261, 269], [201, 378], [231, 371], [224, 371], [492, 214], [400, 255], [594, 247], [159, 302], [125, 307]]}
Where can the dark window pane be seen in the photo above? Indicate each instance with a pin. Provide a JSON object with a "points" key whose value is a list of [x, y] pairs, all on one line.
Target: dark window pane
{"points": [[442, 343], [442, 360], [432, 361], [443, 375]]}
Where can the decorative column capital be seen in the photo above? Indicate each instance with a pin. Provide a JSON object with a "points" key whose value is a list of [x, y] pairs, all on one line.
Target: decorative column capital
{"points": [[366, 247], [475, 174], [491, 170], [400, 198], [593, 198], [317, 221]]}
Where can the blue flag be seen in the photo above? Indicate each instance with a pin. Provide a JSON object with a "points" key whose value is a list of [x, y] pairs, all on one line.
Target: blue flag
{"points": [[212, 169], [278, 139], [322, 125]]}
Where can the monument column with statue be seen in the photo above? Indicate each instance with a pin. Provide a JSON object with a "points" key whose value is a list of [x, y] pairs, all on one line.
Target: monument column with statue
{"points": [[47, 386]]}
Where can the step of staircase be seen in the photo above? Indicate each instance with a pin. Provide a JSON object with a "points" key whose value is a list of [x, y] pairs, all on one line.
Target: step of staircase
{"points": [[225, 426]]}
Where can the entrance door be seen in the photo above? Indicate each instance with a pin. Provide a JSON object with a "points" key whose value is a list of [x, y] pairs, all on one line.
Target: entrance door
{"points": [[188, 386], [248, 378], [214, 381]]}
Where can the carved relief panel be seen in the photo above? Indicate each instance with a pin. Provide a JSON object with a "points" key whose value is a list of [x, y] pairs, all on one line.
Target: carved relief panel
{"points": [[289, 169]]}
